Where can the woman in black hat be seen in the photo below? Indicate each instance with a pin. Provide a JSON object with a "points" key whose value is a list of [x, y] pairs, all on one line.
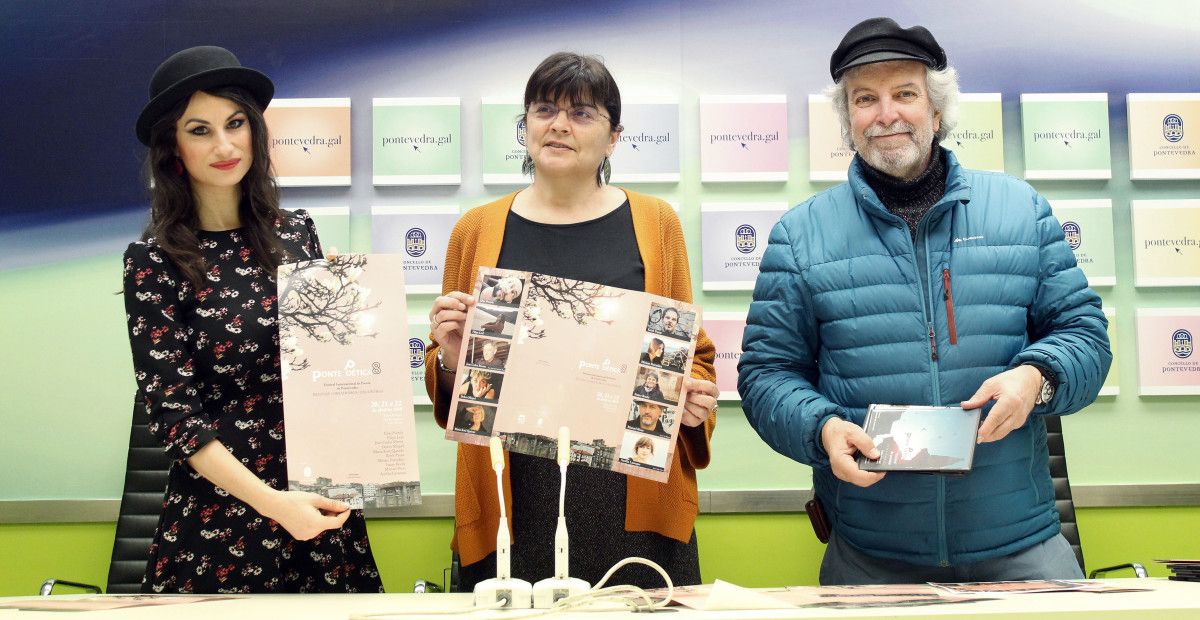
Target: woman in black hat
{"points": [[200, 301]]}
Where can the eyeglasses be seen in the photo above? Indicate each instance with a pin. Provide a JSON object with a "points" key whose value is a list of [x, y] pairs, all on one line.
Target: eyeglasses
{"points": [[579, 114]]}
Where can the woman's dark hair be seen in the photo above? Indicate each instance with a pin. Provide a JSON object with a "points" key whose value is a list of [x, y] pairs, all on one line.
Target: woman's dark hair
{"points": [[173, 219], [581, 80]]}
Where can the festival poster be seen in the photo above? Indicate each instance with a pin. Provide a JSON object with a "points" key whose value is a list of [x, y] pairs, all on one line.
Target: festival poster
{"points": [[978, 138], [1087, 226], [1166, 242], [1112, 385], [743, 138], [418, 342], [1164, 135], [421, 235], [725, 329], [1166, 344], [503, 123], [416, 141], [734, 237], [648, 149], [333, 227], [310, 141], [828, 156], [1066, 136], [542, 352], [348, 408]]}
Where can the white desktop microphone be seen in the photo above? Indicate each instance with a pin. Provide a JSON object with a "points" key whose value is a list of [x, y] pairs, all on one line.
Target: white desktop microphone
{"points": [[515, 593], [549, 590]]}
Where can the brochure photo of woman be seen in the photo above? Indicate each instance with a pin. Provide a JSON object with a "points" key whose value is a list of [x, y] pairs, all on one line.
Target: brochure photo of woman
{"points": [[474, 418], [661, 353], [657, 385], [481, 385], [493, 321], [644, 451]]}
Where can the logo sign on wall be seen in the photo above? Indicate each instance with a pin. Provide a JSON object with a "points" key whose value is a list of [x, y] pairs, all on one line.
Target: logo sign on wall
{"points": [[828, 155], [733, 238], [1166, 242], [416, 141], [310, 141], [333, 228], [978, 138], [1164, 138], [1066, 136], [1087, 226], [419, 233], [743, 138], [1166, 346], [503, 141], [418, 342], [648, 150], [725, 329], [1111, 385]]}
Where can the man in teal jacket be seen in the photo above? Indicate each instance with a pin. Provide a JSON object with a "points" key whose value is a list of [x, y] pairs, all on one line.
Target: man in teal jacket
{"points": [[921, 282]]}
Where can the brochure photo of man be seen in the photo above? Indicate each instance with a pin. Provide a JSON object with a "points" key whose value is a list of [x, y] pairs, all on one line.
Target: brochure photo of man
{"points": [[481, 385], [493, 321], [650, 418], [670, 322], [487, 353], [657, 385], [502, 290]]}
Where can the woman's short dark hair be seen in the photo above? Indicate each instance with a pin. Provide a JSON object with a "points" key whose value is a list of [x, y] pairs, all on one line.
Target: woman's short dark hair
{"points": [[579, 79], [173, 218]]}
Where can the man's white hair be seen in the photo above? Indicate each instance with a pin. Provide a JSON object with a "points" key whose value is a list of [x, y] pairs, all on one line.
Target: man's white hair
{"points": [[941, 84]]}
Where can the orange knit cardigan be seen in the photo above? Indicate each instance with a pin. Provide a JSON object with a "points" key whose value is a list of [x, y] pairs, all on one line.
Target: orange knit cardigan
{"points": [[669, 509]]}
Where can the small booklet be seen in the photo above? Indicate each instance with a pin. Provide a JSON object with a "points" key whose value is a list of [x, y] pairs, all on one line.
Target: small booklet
{"points": [[921, 439], [543, 352], [347, 397]]}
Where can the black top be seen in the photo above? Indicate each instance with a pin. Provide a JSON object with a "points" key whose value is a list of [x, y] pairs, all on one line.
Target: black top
{"points": [[910, 200], [604, 251]]}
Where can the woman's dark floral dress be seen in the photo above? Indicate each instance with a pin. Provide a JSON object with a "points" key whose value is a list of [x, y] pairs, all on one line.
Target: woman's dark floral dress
{"points": [[207, 367]]}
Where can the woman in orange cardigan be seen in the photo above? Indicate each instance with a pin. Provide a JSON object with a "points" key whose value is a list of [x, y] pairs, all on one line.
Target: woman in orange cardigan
{"points": [[570, 223]]}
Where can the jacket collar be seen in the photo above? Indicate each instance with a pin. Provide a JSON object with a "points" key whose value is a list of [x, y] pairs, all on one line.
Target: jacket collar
{"points": [[957, 187]]}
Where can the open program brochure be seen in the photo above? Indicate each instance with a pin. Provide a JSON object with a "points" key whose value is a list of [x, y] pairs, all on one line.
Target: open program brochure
{"points": [[347, 396], [541, 352]]}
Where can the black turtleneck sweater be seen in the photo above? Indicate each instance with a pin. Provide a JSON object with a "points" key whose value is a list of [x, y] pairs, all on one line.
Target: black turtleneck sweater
{"points": [[911, 200]]}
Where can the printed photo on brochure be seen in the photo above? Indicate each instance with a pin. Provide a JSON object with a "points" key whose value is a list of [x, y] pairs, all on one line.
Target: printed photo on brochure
{"points": [[542, 352]]}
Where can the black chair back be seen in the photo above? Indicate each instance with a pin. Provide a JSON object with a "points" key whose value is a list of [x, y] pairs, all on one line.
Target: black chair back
{"points": [[141, 505], [1062, 485]]}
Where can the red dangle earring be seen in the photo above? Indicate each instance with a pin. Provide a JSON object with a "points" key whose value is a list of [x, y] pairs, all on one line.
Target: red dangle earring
{"points": [[178, 167]]}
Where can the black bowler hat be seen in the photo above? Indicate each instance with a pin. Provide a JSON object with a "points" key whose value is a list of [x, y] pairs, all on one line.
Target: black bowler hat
{"points": [[198, 68], [881, 38]]}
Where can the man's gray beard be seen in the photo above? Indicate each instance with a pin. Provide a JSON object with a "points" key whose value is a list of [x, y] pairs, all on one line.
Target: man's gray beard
{"points": [[905, 164]]}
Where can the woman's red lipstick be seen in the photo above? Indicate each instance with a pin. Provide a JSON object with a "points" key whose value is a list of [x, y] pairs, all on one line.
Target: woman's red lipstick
{"points": [[228, 164]]}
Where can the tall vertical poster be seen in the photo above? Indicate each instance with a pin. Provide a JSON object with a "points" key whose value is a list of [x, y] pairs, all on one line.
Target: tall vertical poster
{"points": [[1087, 226], [978, 138], [1166, 344], [743, 138], [725, 330], [828, 156], [421, 234], [416, 141], [1166, 242], [503, 133], [1164, 135], [1066, 136], [648, 149], [733, 239], [347, 401], [310, 141]]}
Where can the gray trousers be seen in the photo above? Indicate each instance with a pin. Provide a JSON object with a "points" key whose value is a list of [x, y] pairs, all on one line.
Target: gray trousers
{"points": [[845, 565]]}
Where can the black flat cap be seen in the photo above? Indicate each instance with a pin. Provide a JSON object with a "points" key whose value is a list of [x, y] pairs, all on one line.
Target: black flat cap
{"points": [[193, 69], [879, 39]]}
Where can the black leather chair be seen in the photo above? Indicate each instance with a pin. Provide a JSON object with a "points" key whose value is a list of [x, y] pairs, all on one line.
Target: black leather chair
{"points": [[146, 469]]}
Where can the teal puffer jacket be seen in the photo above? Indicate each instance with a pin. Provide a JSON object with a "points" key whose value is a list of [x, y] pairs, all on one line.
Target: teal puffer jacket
{"points": [[847, 312]]}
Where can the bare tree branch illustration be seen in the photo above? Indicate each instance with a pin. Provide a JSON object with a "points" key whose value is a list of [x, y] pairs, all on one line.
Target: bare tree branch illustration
{"points": [[323, 301], [569, 299]]}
